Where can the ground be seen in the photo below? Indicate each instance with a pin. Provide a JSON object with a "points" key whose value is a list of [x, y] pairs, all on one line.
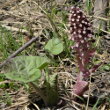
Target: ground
{"points": [[20, 21]]}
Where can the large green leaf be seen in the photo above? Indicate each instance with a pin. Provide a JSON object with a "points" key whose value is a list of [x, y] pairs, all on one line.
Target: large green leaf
{"points": [[24, 77], [55, 46], [26, 68]]}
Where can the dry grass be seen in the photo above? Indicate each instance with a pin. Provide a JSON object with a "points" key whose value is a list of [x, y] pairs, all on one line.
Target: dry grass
{"points": [[29, 18]]}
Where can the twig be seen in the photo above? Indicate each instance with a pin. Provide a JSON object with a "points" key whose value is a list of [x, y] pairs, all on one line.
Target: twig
{"points": [[3, 82], [16, 104], [36, 106], [15, 29], [19, 50], [24, 32], [101, 18], [102, 30]]}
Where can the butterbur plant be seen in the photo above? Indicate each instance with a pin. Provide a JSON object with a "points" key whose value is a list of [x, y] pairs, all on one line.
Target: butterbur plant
{"points": [[33, 70], [81, 34]]}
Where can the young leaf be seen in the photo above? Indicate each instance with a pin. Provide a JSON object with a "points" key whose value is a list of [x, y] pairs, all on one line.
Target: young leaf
{"points": [[26, 68], [55, 46], [24, 77], [52, 80], [42, 62]]}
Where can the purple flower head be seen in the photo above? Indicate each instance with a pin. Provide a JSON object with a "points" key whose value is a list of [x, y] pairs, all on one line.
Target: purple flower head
{"points": [[81, 34]]}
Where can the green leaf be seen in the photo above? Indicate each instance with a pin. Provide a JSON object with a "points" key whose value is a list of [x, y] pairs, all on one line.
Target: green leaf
{"points": [[26, 68], [88, 6], [52, 80], [25, 78], [106, 67], [55, 46], [42, 62]]}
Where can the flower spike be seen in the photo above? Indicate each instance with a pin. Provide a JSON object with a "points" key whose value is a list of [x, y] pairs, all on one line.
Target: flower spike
{"points": [[81, 34]]}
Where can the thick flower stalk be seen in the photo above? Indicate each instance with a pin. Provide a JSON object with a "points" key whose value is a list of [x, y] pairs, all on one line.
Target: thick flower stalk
{"points": [[81, 34]]}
